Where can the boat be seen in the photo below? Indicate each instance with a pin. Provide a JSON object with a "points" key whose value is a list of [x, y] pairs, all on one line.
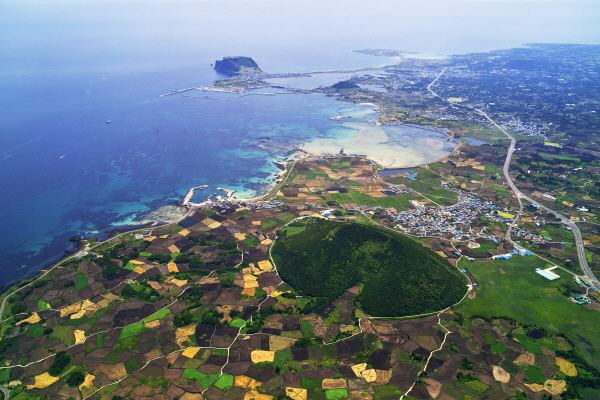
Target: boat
{"points": [[108, 121]]}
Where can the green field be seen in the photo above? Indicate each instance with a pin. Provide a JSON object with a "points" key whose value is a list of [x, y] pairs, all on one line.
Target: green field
{"points": [[340, 165], [138, 327], [399, 202], [203, 379], [327, 257], [512, 289], [129, 266], [534, 375], [35, 330], [333, 394], [132, 330], [275, 221], [237, 323], [251, 242], [560, 157], [477, 131], [100, 340], [160, 314], [306, 329], [81, 281], [430, 185], [224, 382], [387, 392], [43, 305], [64, 334], [4, 376]]}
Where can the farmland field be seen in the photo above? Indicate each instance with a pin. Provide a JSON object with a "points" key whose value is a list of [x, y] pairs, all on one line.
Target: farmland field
{"points": [[512, 289]]}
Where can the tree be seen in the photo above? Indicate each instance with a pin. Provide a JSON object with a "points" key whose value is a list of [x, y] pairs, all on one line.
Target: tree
{"points": [[227, 280], [466, 364], [160, 258], [194, 293], [75, 378], [183, 318], [210, 318], [61, 360], [110, 271], [18, 308], [196, 263]]}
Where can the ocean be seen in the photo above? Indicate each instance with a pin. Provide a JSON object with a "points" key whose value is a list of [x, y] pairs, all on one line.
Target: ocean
{"points": [[67, 67]]}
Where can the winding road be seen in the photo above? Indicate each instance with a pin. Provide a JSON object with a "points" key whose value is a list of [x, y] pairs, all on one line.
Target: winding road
{"points": [[522, 196]]}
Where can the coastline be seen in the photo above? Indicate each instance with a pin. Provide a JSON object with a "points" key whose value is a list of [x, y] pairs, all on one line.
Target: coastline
{"points": [[12, 288], [9, 288], [267, 191]]}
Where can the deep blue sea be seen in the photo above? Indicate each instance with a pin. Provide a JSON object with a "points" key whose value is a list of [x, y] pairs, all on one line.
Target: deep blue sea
{"points": [[67, 67], [67, 172]]}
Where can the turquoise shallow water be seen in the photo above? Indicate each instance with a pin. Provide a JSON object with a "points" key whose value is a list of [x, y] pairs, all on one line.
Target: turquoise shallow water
{"points": [[68, 66], [80, 176], [66, 172]]}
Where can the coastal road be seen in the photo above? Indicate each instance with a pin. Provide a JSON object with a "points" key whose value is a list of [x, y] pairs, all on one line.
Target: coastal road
{"points": [[45, 272]]}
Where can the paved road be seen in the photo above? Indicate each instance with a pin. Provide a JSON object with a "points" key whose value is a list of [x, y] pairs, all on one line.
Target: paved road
{"points": [[433, 82], [505, 168], [520, 195]]}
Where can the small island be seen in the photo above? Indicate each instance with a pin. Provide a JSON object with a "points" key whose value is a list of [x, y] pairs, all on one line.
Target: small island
{"points": [[236, 65]]}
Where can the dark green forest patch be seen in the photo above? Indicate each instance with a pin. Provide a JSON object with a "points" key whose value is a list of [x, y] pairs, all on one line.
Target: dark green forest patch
{"points": [[399, 276]]}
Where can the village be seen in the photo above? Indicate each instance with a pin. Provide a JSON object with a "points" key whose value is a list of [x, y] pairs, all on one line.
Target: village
{"points": [[229, 327]]}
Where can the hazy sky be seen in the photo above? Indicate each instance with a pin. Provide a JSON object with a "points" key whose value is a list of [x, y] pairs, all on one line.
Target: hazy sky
{"points": [[152, 31]]}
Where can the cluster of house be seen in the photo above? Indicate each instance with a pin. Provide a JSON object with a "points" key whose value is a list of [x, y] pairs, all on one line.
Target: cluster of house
{"points": [[528, 128], [456, 219], [527, 235], [518, 251], [591, 295], [255, 205], [391, 190]]}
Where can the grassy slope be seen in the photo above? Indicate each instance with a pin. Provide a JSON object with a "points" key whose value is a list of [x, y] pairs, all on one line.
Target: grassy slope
{"points": [[511, 288]]}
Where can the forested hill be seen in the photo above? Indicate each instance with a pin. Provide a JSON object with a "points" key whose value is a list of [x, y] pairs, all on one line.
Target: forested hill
{"points": [[400, 277]]}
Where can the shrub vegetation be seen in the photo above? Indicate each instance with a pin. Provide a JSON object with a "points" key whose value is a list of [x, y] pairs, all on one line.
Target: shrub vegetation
{"points": [[61, 360]]}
